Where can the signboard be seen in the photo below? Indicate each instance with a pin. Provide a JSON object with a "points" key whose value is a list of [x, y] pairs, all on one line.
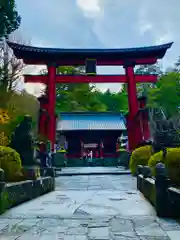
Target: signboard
{"points": [[91, 67], [90, 145]]}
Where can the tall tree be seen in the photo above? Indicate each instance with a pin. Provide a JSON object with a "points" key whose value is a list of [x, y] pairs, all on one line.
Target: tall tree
{"points": [[9, 18], [11, 69], [177, 65], [166, 94], [142, 88]]}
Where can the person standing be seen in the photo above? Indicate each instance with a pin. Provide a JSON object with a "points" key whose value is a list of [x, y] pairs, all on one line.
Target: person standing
{"points": [[90, 158]]}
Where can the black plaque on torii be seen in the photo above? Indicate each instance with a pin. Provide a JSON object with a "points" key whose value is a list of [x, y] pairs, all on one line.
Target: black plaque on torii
{"points": [[90, 67]]}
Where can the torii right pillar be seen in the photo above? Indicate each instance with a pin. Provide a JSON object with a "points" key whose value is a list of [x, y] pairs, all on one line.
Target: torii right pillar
{"points": [[133, 123], [144, 118]]}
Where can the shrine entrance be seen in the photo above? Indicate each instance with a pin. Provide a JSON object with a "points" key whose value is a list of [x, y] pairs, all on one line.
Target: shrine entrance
{"points": [[137, 124], [85, 131]]}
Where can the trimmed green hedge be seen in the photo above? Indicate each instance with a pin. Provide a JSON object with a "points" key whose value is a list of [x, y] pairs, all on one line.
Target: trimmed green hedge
{"points": [[140, 156], [171, 161]]}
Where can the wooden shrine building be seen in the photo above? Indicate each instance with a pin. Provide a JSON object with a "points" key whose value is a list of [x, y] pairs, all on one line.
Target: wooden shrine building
{"points": [[54, 57], [96, 131]]}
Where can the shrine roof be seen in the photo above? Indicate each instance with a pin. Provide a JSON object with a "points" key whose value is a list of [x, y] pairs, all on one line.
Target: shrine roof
{"points": [[53, 54], [91, 121]]}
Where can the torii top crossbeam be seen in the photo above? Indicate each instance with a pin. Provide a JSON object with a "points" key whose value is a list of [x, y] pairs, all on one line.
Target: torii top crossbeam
{"points": [[65, 57]]}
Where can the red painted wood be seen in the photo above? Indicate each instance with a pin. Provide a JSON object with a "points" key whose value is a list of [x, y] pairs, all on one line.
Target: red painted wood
{"points": [[51, 104], [42, 120], [74, 62], [145, 121], [91, 79], [35, 79], [82, 148], [134, 129]]}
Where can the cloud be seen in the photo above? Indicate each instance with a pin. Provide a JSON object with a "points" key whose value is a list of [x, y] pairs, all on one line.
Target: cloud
{"points": [[144, 27], [61, 23], [167, 37], [91, 8]]}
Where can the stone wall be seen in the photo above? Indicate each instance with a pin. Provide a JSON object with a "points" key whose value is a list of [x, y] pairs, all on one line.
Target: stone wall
{"points": [[13, 194]]}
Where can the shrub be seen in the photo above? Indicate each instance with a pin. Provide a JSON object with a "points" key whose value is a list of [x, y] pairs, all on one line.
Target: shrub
{"points": [[61, 151], [4, 140], [154, 159], [171, 161], [10, 162], [140, 156], [4, 116], [31, 173]]}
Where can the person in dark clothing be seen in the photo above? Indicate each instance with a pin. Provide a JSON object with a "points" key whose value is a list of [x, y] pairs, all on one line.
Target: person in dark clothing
{"points": [[84, 157]]}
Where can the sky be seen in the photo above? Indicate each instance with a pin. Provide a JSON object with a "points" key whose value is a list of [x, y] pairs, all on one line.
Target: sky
{"points": [[101, 24]]}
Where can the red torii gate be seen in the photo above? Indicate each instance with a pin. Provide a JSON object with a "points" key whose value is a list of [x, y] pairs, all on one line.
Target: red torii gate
{"points": [[128, 58]]}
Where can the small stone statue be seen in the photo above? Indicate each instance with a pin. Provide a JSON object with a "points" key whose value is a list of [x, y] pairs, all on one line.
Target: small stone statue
{"points": [[22, 141], [161, 170]]}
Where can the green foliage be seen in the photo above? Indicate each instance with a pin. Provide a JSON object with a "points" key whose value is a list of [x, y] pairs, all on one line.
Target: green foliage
{"points": [[9, 18], [85, 97], [172, 158], [11, 126], [166, 94], [171, 161], [154, 159], [114, 102], [10, 162], [140, 156], [62, 151], [4, 198], [31, 173]]}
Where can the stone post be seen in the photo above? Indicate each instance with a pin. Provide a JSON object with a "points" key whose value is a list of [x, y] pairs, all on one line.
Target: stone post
{"points": [[161, 184], [139, 178]]}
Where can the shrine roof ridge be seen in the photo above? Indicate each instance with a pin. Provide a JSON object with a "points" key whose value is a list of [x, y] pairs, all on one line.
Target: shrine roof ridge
{"points": [[68, 121], [88, 50]]}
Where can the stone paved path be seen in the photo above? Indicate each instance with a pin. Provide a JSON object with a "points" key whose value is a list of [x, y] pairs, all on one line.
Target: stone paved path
{"points": [[86, 208]]}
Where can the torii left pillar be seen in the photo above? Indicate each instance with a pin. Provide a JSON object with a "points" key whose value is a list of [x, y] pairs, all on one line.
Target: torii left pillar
{"points": [[133, 123], [51, 94]]}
